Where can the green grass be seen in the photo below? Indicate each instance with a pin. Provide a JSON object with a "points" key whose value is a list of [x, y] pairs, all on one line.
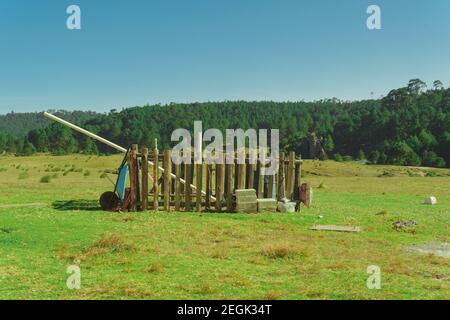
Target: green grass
{"points": [[221, 256]]}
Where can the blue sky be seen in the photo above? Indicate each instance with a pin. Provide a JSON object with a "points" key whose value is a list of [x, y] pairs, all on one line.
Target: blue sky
{"points": [[158, 51]]}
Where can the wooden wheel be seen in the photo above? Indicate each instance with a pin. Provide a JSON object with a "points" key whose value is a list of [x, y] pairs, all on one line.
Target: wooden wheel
{"points": [[109, 201]]}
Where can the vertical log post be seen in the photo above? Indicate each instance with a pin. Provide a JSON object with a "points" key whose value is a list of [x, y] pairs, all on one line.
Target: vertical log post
{"points": [[251, 175], [241, 176], [208, 187], [270, 190], [144, 184], [134, 176], [219, 184], [298, 182], [155, 179], [178, 187], [260, 180], [290, 176], [198, 185], [229, 186], [167, 179], [281, 187], [187, 187]]}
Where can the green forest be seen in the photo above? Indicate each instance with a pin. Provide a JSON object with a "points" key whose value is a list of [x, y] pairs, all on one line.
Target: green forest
{"points": [[408, 126]]}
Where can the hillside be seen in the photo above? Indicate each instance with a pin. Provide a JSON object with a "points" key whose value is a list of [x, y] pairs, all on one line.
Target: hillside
{"points": [[20, 124], [409, 126]]}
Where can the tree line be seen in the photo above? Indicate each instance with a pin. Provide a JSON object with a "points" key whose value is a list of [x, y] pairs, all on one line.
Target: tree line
{"points": [[409, 126]]}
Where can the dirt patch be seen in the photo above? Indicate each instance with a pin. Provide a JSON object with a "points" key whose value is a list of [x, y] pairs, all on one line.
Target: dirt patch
{"points": [[436, 249], [109, 243], [22, 205]]}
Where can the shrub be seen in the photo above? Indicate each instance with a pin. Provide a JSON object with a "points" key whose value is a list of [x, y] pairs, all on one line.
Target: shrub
{"points": [[337, 157], [361, 155], [45, 179], [347, 158], [374, 157]]}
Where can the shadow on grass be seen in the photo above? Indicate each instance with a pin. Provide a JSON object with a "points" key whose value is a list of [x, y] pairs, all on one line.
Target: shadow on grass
{"points": [[74, 205]]}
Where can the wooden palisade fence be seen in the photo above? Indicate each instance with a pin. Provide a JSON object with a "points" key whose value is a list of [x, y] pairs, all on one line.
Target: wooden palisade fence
{"points": [[205, 187]]}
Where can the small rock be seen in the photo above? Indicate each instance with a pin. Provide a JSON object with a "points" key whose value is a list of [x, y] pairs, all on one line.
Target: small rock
{"points": [[287, 207], [404, 224], [430, 201]]}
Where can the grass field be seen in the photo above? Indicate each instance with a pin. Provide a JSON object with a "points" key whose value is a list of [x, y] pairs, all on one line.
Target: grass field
{"points": [[49, 219]]}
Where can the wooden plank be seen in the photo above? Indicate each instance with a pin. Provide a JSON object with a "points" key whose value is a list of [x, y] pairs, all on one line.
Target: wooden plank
{"points": [[178, 187], [229, 187], [144, 177], [187, 187], [155, 179], [335, 228], [198, 185], [290, 179], [219, 184], [167, 179]]}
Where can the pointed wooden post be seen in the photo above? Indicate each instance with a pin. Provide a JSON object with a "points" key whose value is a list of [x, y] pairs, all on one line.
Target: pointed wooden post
{"points": [[144, 184], [260, 181], [241, 176], [281, 182], [134, 178], [290, 176], [251, 168], [208, 186], [270, 190], [187, 187], [298, 182], [167, 179], [155, 179], [229, 187], [198, 185], [178, 187], [219, 184]]}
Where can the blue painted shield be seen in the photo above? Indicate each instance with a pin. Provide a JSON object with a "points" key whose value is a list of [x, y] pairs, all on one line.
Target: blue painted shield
{"points": [[122, 181]]}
